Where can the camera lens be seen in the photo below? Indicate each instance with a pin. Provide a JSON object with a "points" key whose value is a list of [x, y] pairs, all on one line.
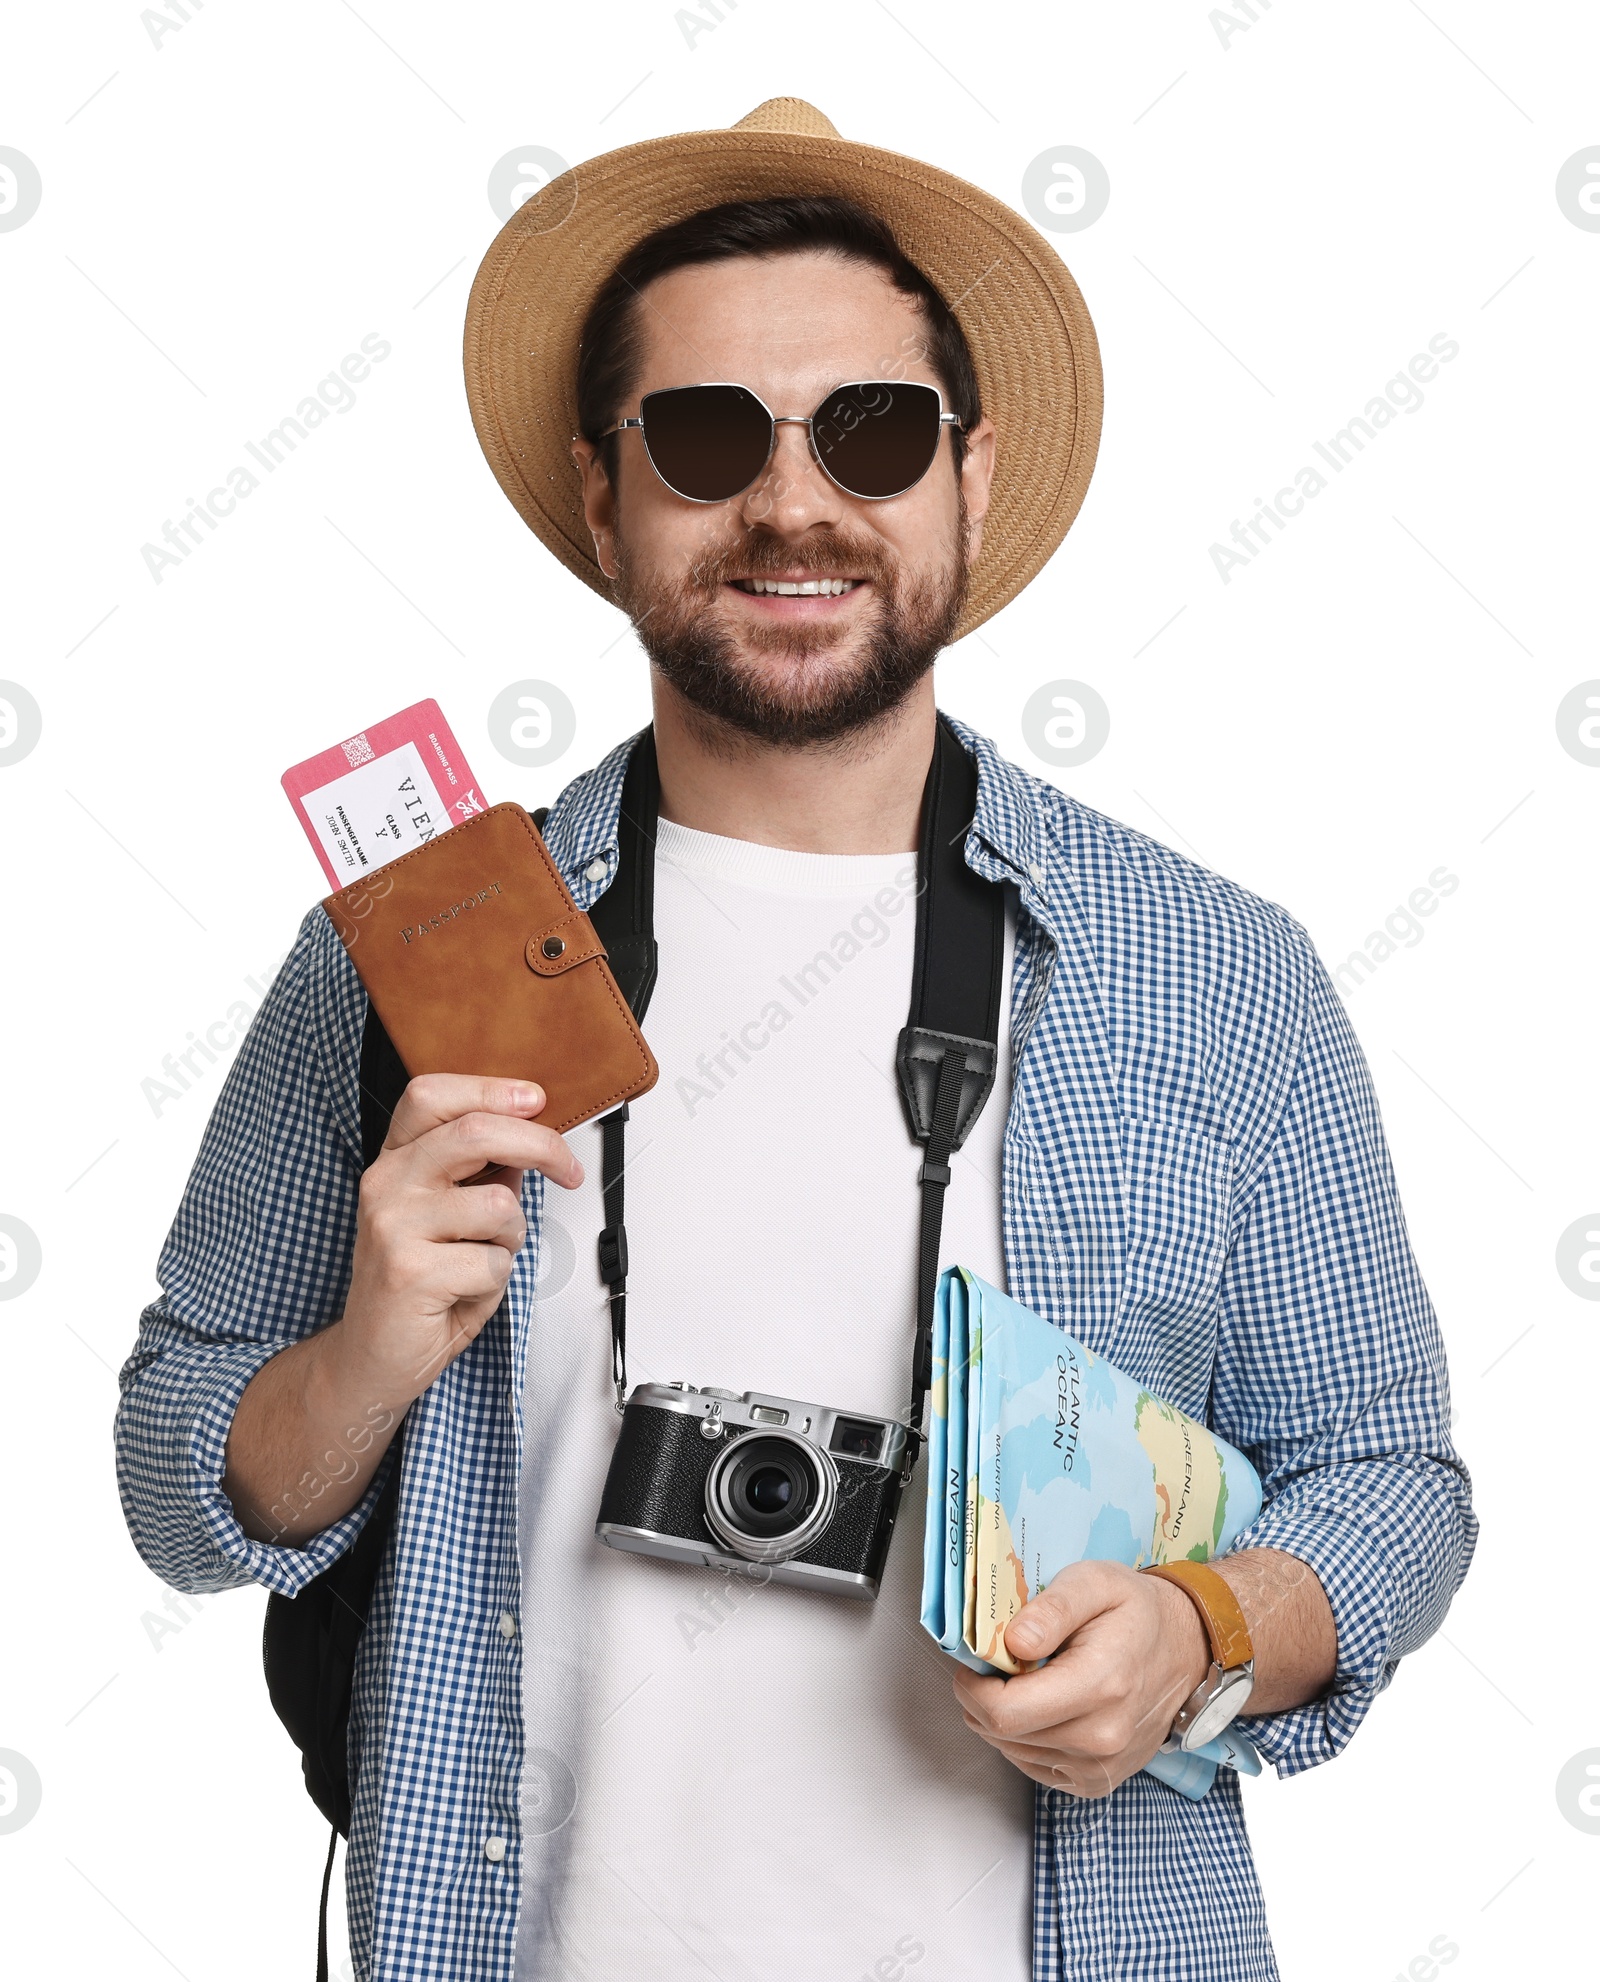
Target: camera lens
{"points": [[769, 1495], [769, 1489]]}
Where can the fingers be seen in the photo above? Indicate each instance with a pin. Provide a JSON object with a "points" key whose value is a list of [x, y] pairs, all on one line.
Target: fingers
{"points": [[1087, 1757], [1085, 1741], [979, 1696], [440, 1246], [433, 1099], [460, 1147], [472, 1142], [474, 1273], [1074, 1777], [428, 1246], [1067, 1602], [1083, 1680], [469, 1285], [1012, 1710], [1020, 1708], [491, 1213], [461, 1275]]}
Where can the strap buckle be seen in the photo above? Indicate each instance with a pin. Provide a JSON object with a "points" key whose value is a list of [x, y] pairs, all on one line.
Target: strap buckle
{"points": [[614, 1256], [908, 1464], [919, 1057]]}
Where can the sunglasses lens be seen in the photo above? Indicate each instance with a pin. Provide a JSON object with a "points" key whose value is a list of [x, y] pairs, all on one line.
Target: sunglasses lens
{"points": [[707, 442], [879, 439]]}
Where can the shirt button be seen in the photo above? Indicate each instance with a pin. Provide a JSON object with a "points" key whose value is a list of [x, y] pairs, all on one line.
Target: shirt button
{"points": [[508, 1625], [1036, 874], [595, 871], [494, 1849]]}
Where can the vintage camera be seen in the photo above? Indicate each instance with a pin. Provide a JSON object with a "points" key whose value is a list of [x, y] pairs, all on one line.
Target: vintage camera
{"points": [[726, 1481]]}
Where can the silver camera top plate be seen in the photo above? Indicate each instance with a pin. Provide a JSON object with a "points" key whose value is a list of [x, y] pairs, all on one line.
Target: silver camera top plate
{"points": [[853, 1437]]}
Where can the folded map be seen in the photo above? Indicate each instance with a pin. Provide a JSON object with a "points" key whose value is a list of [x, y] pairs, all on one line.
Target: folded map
{"points": [[1040, 1454]]}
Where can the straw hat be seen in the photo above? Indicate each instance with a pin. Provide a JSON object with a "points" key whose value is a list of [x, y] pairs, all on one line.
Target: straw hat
{"points": [[1032, 342]]}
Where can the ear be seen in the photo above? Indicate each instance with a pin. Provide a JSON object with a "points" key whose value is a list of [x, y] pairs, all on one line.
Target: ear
{"points": [[977, 477], [599, 503]]}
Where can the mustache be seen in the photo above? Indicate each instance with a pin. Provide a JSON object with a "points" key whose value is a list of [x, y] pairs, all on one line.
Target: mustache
{"points": [[762, 555]]}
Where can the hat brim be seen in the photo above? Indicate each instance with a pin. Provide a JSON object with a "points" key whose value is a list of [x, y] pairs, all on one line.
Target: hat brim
{"points": [[1033, 344]]}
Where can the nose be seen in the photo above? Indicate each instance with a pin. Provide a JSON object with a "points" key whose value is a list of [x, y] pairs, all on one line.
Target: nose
{"points": [[793, 495]]}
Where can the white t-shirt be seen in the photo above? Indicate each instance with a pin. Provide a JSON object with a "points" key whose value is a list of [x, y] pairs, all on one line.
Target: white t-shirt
{"points": [[755, 1782]]}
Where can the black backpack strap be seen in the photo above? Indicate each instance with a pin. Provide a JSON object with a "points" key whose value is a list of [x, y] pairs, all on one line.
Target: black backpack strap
{"points": [[624, 916], [309, 1642], [383, 1081], [322, 1910]]}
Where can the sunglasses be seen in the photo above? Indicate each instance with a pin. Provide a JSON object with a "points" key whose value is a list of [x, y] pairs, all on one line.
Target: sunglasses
{"points": [[873, 438]]}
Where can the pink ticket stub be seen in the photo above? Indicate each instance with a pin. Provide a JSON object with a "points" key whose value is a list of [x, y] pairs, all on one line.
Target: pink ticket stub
{"points": [[377, 795]]}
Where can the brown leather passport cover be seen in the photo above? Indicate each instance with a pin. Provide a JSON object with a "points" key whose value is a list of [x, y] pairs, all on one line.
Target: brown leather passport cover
{"points": [[478, 962]]}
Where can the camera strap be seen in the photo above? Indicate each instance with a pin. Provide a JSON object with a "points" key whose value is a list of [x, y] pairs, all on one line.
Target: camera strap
{"points": [[947, 1049]]}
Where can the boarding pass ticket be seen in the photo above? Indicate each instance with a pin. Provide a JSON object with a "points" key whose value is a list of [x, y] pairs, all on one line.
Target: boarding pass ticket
{"points": [[376, 795]]}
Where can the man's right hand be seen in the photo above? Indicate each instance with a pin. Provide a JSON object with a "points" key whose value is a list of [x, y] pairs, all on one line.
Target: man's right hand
{"points": [[433, 1254]]}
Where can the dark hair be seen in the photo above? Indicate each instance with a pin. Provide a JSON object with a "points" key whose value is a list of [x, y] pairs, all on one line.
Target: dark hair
{"points": [[608, 349]]}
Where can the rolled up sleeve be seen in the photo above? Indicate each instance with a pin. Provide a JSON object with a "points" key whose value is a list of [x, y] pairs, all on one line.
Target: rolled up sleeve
{"points": [[1331, 1377], [258, 1257]]}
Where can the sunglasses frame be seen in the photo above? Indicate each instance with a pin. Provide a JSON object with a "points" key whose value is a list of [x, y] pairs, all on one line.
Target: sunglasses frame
{"points": [[806, 420]]}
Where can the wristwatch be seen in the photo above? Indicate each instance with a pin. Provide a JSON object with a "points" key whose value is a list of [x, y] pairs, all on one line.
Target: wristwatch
{"points": [[1226, 1687]]}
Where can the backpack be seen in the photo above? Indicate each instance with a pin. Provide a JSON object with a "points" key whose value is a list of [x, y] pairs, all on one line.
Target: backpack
{"points": [[309, 1642]]}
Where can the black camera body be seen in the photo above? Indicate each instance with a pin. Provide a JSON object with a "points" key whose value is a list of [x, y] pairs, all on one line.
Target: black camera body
{"points": [[797, 1492]]}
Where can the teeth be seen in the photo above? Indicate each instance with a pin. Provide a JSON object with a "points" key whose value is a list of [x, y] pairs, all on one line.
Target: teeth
{"points": [[827, 587]]}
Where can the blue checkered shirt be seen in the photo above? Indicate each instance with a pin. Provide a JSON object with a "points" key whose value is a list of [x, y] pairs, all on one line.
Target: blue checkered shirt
{"points": [[1195, 1184]]}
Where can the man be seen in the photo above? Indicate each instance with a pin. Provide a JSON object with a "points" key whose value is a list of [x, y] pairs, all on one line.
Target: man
{"points": [[569, 1762]]}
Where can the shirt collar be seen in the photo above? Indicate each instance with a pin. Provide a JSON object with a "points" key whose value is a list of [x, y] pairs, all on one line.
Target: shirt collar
{"points": [[1008, 840], [581, 831]]}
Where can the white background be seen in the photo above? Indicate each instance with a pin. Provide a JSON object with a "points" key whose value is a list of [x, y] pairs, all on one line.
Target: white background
{"points": [[1303, 207]]}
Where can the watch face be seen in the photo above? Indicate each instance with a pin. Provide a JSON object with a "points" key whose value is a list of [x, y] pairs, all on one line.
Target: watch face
{"points": [[1233, 1690]]}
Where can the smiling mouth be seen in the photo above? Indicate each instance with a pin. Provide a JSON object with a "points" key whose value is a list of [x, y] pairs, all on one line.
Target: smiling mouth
{"points": [[796, 588]]}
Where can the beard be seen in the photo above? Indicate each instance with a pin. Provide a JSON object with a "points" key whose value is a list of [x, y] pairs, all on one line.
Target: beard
{"points": [[796, 685]]}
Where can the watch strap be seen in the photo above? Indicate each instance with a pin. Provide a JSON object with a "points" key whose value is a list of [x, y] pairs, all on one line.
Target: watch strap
{"points": [[1218, 1608]]}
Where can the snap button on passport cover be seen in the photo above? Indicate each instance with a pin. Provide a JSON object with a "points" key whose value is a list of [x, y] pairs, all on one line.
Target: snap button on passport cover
{"points": [[447, 941]]}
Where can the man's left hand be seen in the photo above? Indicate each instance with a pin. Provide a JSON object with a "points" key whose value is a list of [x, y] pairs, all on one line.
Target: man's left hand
{"points": [[1128, 1650]]}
